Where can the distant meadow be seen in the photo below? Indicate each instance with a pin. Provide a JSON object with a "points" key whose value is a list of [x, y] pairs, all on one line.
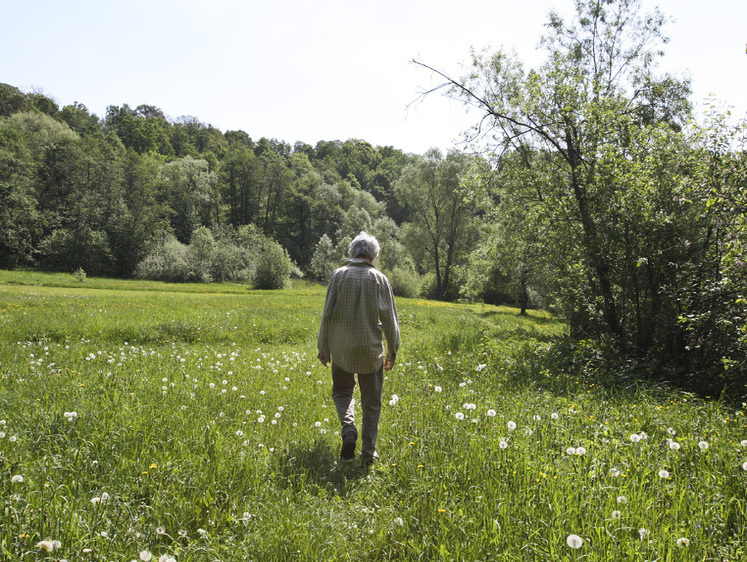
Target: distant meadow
{"points": [[149, 421]]}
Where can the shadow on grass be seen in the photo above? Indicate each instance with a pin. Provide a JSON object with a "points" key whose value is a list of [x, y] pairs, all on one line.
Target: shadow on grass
{"points": [[319, 466]]}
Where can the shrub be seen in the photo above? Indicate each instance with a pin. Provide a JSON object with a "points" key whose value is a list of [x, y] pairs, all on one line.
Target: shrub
{"points": [[405, 282], [273, 267]]}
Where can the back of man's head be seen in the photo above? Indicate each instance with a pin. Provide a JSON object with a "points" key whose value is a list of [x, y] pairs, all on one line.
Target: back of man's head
{"points": [[364, 246]]}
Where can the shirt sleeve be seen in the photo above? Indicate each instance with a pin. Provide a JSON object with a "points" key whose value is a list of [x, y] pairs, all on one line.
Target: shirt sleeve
{"points": [[388, 317], [322, 340]]}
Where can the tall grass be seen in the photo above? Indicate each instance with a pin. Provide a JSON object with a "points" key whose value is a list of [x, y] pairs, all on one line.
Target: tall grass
{"points": [[196, 423]]}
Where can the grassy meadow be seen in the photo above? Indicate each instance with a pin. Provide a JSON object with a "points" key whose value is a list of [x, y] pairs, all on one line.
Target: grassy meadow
{"points": [[147, 421]]}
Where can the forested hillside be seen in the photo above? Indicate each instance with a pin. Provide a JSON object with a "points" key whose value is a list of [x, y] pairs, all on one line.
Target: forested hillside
{"points": [[595, 195]]}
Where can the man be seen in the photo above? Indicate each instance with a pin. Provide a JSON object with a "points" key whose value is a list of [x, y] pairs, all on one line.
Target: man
{"points": [[358, 310]]}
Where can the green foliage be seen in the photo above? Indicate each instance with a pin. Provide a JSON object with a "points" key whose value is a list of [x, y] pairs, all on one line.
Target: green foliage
{"points": [[273, 268]]}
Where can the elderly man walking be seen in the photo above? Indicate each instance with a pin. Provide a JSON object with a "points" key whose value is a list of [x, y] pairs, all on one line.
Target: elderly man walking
{"points": [[358, 311]]}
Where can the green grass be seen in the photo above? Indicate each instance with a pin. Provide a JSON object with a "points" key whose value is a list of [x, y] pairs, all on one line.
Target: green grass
{"points": [[204, 420]]}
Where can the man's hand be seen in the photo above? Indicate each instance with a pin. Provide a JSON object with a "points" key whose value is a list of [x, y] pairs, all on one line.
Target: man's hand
{"points": [[389, 362], [324, 358]]}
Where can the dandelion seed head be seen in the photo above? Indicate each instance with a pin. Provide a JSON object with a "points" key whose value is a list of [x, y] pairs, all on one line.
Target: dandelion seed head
{"points": [[511, 425], [459, 416], [674, 445], [17, 478], [663, 474], [574, 541], [635, 438], [622, 499], [683, 542], [616, 514], [703, 445], [643, 533]]}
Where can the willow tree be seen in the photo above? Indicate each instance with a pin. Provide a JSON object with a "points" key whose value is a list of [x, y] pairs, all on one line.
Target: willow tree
{"points": [[585, 125]]}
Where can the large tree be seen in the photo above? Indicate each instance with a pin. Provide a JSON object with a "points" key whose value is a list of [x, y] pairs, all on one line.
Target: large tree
{"points": [[441, 230], [584, 117]]}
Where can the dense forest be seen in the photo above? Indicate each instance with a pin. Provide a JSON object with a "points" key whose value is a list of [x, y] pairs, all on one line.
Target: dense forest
{"points": [[590, 190]]}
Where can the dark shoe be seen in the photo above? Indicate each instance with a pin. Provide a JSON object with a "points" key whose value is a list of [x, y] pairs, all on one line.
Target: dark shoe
{"points": [[348, 448], [367, 461]]}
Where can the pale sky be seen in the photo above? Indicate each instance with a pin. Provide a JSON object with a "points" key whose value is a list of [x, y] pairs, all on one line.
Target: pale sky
{"points": [[298, 70]]}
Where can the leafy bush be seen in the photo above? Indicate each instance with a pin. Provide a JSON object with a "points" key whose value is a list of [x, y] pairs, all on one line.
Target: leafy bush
{"points": [[168, 262], [405, 282], [273, 267]]}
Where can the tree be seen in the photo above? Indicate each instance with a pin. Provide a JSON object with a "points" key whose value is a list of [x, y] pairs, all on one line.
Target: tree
{"points": [[442, 227], [585, 108]]}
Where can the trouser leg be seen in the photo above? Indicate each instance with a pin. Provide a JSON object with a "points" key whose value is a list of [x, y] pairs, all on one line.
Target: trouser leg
{"points": [[371, 387], [343, 385]]}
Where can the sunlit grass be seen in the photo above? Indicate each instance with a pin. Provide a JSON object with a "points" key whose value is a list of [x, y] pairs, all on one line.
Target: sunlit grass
{"points": [[198, 425]]}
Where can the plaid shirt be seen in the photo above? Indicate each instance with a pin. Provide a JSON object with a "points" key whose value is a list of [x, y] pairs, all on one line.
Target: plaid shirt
{"points": [[359, 307]]}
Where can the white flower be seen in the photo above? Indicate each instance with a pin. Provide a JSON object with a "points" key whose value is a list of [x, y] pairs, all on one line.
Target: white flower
{"points": [[616, 514], [202, 532], [580, 451], [643, 435], [663, 474], [318, 424], [459, 416], [671, 431], [574, 541], [399, 521], [491, 413], [682, 542], [160, 531], [554, 415], [635, 438], [503, 444], [643, 533], [674, 445], [511, 425], [570, 451], [622, 499], [145, 556], [703, 445], [744, 465], [743, 443], [45, 545], [17, 478], [536, 418], [614, 472]]}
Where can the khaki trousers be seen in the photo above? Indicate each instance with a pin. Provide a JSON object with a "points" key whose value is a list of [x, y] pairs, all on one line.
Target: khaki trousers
{"points": [[343, 384]]}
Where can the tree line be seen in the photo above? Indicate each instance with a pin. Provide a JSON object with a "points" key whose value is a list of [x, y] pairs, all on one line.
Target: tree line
{"points": [[589, 190]]}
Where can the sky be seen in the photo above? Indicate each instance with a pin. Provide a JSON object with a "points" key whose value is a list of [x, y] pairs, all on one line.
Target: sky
{"points": [[297, 70]]}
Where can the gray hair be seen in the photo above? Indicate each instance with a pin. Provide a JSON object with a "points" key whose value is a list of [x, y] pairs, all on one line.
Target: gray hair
{"points": [[364, 246]]}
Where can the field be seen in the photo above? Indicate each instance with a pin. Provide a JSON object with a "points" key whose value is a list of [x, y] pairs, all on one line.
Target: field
{"points": [[194, 422]]}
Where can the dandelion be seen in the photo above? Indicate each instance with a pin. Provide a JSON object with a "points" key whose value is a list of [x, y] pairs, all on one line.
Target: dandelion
{"points": [[511, 425], [643, 435], [614, 472], [663, 474], [318, 424], [643, 533], [399, 521], [743, 443], [570, 451], [554, 416], [491, 413], [616, 514], [145, 556], [503, 444], [437, 388], [671, 431], [104, 496], [166, 558], [580, 451], [683, 542], [674, 445], [622, 499], [459, 416], [635, 438], [703, 445], [47, 545], [17, 478], [536, 418], [574, 541], [160, 531], [744, 465]]}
